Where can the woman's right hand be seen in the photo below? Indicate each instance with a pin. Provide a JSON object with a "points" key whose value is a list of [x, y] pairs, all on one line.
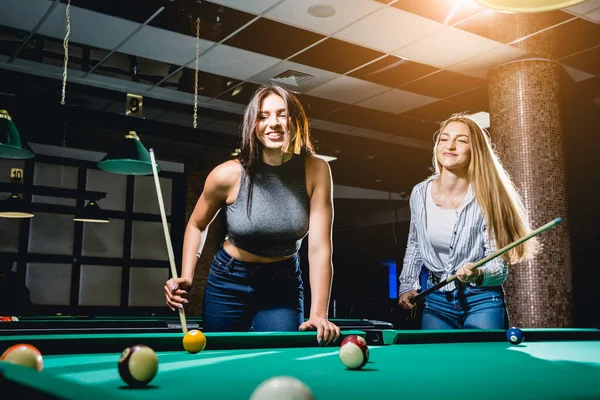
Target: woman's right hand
{"points": [[404, 299], [174, 290]]}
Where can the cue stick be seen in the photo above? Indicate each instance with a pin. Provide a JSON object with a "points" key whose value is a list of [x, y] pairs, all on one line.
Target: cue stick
{"points": [[479, 263], [166, 230]]}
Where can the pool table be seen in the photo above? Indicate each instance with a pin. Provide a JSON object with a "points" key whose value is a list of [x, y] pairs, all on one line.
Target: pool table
{"points": [[66, 324], [549, 364]]}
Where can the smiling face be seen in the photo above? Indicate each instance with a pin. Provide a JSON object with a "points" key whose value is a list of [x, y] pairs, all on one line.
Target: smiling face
{"points": [[273, 121], [453, 149]]}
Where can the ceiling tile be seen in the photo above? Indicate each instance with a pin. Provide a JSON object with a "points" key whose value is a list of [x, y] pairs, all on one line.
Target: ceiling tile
{"points": [[157, 44], [569, 38], [240, 94], [216, 22], [346, 89], [396, 101], [585, 7], [594, 15], [477, 98], [122, 66], [588, 61], [139, 13], [446, 47], [443, 84], [507, 27], [235, 63], [24, 18], [393, 71], [436, 112], [319, 76], [381, 121], [480, 65], [254, 6], [264, 36], [81, 21], [209, 85], [447, 12], [316, 106], [347, 57], [388, 29], [346, 11]]}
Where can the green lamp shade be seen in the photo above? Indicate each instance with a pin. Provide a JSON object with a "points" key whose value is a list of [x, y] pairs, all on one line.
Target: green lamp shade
{"points": [[130, 158], [91, 213], [10, 140], [15, 207], [527, 6]]}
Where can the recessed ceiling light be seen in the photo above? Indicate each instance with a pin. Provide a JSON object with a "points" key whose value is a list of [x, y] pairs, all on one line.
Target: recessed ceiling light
{"points": [[321, 10], [378, 180]]}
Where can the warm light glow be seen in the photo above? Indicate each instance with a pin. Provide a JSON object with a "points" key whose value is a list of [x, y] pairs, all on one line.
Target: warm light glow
{"points": [[326, 158]]}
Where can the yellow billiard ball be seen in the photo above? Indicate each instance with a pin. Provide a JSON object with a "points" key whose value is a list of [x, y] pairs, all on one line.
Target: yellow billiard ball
{"points": [[194, 341]]}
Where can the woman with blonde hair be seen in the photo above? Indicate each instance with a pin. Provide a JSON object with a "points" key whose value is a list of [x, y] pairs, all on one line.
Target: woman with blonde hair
{"points": [[464, 212], [273, 196]]}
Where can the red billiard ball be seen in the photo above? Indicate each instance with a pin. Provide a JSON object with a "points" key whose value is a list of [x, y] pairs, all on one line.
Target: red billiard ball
{"points": [[138, 365], [25, 355], [5, 319], [354, 352]]}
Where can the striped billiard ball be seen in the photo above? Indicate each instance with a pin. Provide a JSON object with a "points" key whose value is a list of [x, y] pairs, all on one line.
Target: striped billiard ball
{"points": [[138, 365], [25, 355], [354, 352]]}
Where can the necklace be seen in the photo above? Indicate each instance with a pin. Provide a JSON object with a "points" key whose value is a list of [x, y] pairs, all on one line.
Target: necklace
{"points": [[447, 199]]}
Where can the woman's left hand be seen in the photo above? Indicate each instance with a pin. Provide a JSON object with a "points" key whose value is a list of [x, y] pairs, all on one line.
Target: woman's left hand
{"points": [[465, 275], [327, 331]]}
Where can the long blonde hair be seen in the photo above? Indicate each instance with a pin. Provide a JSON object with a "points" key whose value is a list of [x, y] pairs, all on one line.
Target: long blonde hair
{"points": [[494, 191]]}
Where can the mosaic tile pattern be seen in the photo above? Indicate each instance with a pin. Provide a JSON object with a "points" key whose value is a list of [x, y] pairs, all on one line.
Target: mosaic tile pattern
{"points": [[196, 176], [527, 131]]}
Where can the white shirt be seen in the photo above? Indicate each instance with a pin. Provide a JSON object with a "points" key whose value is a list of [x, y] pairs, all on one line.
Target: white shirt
{"points": [[440, 225]]}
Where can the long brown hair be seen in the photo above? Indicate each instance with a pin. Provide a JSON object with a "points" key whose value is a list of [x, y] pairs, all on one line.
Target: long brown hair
{"points": [[298, 135], [494, 191]]}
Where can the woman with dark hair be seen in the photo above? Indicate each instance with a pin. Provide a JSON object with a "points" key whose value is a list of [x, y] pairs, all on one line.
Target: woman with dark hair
{"points": [[273, 196]]}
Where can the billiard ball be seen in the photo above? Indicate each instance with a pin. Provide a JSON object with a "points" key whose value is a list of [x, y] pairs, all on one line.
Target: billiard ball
{"points": [[282, 387], [194, 341], [354, 352], [514, 335], [138, 365], [5, 319], [25, 355]]}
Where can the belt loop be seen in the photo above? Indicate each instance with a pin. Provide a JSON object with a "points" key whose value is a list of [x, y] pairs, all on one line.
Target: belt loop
{"points": [[229, 264]]}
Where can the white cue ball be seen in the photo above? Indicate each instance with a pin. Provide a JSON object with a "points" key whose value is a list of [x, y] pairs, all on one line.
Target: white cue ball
{"points": [[282, 388]]}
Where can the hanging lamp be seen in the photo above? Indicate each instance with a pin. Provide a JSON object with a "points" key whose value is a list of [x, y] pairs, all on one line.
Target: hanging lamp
{"points": [[527, 6], [130, 158], [91, 213], [11, 145], [15, 207]]}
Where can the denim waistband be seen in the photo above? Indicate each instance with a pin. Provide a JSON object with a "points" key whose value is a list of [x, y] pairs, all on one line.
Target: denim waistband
{"points": [[223, 257]]}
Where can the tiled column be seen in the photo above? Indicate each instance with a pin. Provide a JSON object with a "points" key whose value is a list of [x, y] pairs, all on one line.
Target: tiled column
{"points": [[527, 130], [196, 176]]}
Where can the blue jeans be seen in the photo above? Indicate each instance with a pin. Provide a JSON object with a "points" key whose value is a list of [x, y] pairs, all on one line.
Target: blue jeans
{"points": [[261, 297], [467, 307]]}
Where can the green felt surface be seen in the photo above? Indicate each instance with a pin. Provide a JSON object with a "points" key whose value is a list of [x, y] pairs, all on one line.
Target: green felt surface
{"points": [[562, 369]]}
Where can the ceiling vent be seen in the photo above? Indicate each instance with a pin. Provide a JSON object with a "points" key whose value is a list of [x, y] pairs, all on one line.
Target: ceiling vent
{"points": [[292, 78]]}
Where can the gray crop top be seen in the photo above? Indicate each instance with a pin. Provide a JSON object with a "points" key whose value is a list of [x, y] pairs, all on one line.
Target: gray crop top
{"points": [[277, 220]]}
